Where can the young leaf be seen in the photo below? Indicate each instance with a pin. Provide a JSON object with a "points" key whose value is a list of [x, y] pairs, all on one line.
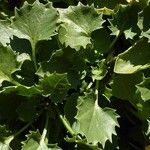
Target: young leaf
{"points": [[143, 22], [8, 64], [33, 142], [54, 85], [5, 138], [144, 88], [35, 22], [126, 17], [78, 24], [100, 72], [97, 124], [134, 59]]}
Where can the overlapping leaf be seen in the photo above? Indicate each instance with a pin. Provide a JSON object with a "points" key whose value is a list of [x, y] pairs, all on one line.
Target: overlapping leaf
{"points": [[8, 64], [96, 124], [143, 22], [5, 138], [6, 32], [136, 58], [100, 72], [144, 88], [127, 84], [125, 18], [106, 3], [78, 24], [33, 142], [35, 22], [54, 85]]}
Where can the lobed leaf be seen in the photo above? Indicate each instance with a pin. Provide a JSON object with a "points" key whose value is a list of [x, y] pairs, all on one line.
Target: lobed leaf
{"points": [[54, 85], [78, 24], [144, 88], [8, 59], [35, 22], [96, 124], [134, 59]]}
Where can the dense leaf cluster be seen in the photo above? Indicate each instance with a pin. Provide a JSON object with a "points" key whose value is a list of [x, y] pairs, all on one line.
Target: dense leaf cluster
{"points": [[75, 75]]}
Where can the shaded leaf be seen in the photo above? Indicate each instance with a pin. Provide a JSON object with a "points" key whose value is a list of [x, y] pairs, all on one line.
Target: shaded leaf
{"points": [[143, 22], [33, 142], [54, 85], [124, 86], [126, 17], [8, 59], [106, 3], [144, 88], [101, 40], [98, 73], [5, 138], [64, 61]]}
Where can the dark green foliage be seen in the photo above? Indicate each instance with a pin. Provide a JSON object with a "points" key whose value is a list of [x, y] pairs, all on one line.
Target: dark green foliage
{"points": [[74, 75]]}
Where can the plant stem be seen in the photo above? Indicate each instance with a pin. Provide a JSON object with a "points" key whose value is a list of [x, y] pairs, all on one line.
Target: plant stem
{"points": [[22, 129], [96, 89], [65, 123], [45, 129], [34, 54], [67, 126], [110, 49]]}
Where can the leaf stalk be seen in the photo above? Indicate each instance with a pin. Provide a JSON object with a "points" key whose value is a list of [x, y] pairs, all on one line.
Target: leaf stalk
{"points": [[45, 129]]}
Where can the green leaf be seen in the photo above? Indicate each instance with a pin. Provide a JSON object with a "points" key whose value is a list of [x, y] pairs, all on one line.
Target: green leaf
{"points": [[143, 22], [129, 34], [46, 48], [144, 110], [106, 3], [78, 24], [98, 73], [144, 17], [5, 138], [33, 142], [134, 59], [144, 88], [53, 147], [6, 32], [8, 59], [124, 86], [101, 40], [70, 108], [126, 17], [21, 90], [54, 85], [97, 124], [64, 61], [35, 22], [148, 130]]}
